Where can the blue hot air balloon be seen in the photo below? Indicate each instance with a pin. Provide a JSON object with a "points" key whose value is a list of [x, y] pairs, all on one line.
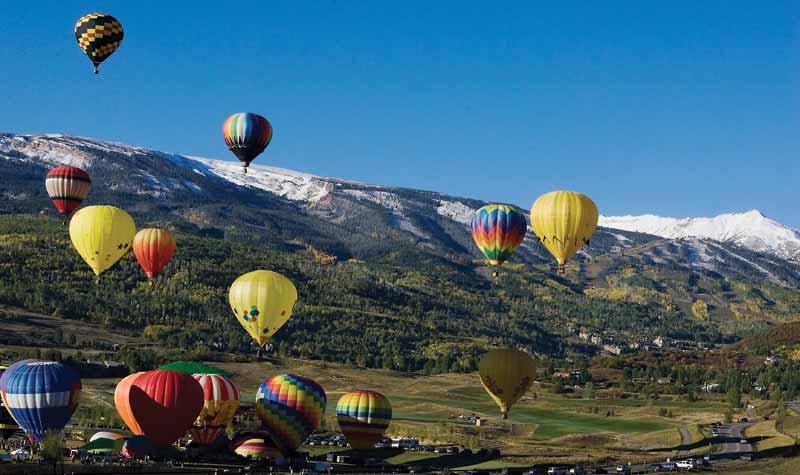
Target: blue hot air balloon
{"points": [[42, 396]]}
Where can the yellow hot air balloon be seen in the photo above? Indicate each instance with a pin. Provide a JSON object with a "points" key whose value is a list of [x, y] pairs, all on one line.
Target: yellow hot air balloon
{"points": [[563, 221], [102, 235], [262, 301], [506, 375]]}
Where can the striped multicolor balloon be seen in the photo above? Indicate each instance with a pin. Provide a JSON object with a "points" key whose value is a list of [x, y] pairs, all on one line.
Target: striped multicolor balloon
{"points": [[247, 135], [497, 231], [221, 402], [259, 448], [363, 417], [42, 396], [291, 407], [67, 187]]}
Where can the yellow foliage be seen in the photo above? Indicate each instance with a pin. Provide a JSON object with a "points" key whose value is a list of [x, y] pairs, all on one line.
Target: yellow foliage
{"points": [[700, 309]]}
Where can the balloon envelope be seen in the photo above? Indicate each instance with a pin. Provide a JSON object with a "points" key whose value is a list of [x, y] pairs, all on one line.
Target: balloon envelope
{"points": [[106, 435], [42, 396], [291, 407], [247, 135], [363, 417], [564, 221], [497, 231], [101, 235], [260, 448], [262, 302], [67, 187], [506, 375], [160, 404], [137, 447], [153, 249], [221, 398], [98, 35]]}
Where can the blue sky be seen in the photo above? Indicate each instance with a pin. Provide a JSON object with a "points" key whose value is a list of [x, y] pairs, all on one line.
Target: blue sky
{"points": [[676, 108]]}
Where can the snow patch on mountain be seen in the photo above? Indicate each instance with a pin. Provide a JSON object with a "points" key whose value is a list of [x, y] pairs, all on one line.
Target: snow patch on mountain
{"points": [[391, 202], [288, 184], [751, 230], [455, 210]]}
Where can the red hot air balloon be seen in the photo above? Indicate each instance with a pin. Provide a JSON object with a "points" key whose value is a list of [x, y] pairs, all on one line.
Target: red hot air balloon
{"points": [[67, 186], [160, 404], [153, 249]]}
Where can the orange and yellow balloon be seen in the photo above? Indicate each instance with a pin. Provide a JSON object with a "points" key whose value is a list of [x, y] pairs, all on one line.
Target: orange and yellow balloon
{"points": [[564, 221], [506, 375], [153, 249]]}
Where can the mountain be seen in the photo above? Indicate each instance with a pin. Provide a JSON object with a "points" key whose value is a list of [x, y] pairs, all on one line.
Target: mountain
{"points": [[751, 230], [390, 271]]}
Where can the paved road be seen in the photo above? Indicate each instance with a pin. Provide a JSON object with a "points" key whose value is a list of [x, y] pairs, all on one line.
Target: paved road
{"points": [[686, 440], [794, 405], [729, 441]]}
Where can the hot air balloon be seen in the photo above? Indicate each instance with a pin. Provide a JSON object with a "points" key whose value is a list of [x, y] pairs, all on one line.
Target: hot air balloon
{"points": [[221, 402], [247, 135], [153, 249], [137, 447], [7, 423], [563, 221], [262, 301], [497, 231], [106, 435], [291, 407], [258, 448], [98, 35], [363, 417], [42, 396], [160, 404], [506, 375], [67, 187], [101, 235]]}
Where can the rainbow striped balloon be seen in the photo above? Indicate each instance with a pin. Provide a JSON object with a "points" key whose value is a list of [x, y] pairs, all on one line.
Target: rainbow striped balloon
{"points": [[497, 231], [247, 135], [363, 417], [291, 407]]}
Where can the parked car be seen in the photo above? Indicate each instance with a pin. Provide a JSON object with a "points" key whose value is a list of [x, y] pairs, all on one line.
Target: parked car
{"points": [[669, 467], [654, 467], [623, 470], [743, 441], [557, 471]]}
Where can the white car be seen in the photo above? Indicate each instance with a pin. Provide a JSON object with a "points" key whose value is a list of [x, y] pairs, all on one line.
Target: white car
{"points": [[557, 471], [684, 465]]}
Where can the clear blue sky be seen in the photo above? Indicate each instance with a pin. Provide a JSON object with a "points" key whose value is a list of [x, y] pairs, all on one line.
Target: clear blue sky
{"points": [[679, 108]]}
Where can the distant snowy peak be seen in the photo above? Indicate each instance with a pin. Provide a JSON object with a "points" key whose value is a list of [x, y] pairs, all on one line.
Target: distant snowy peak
{"points": [[751, 230]]}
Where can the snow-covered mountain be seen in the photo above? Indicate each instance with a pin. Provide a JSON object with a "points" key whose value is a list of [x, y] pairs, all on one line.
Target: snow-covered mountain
{"points": [[351, 218], [751, 230]]}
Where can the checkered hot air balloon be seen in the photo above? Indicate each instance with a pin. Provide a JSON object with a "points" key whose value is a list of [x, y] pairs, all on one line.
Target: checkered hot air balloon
{"points": [[247, 135], [363, 417], [42, 396], [497, 231], [98, 35], [221, 402], [67, 187], [291, 407]]}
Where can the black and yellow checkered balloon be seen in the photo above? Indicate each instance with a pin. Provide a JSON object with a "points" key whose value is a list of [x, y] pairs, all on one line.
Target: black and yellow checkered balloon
{"points": [[98, 35]]}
